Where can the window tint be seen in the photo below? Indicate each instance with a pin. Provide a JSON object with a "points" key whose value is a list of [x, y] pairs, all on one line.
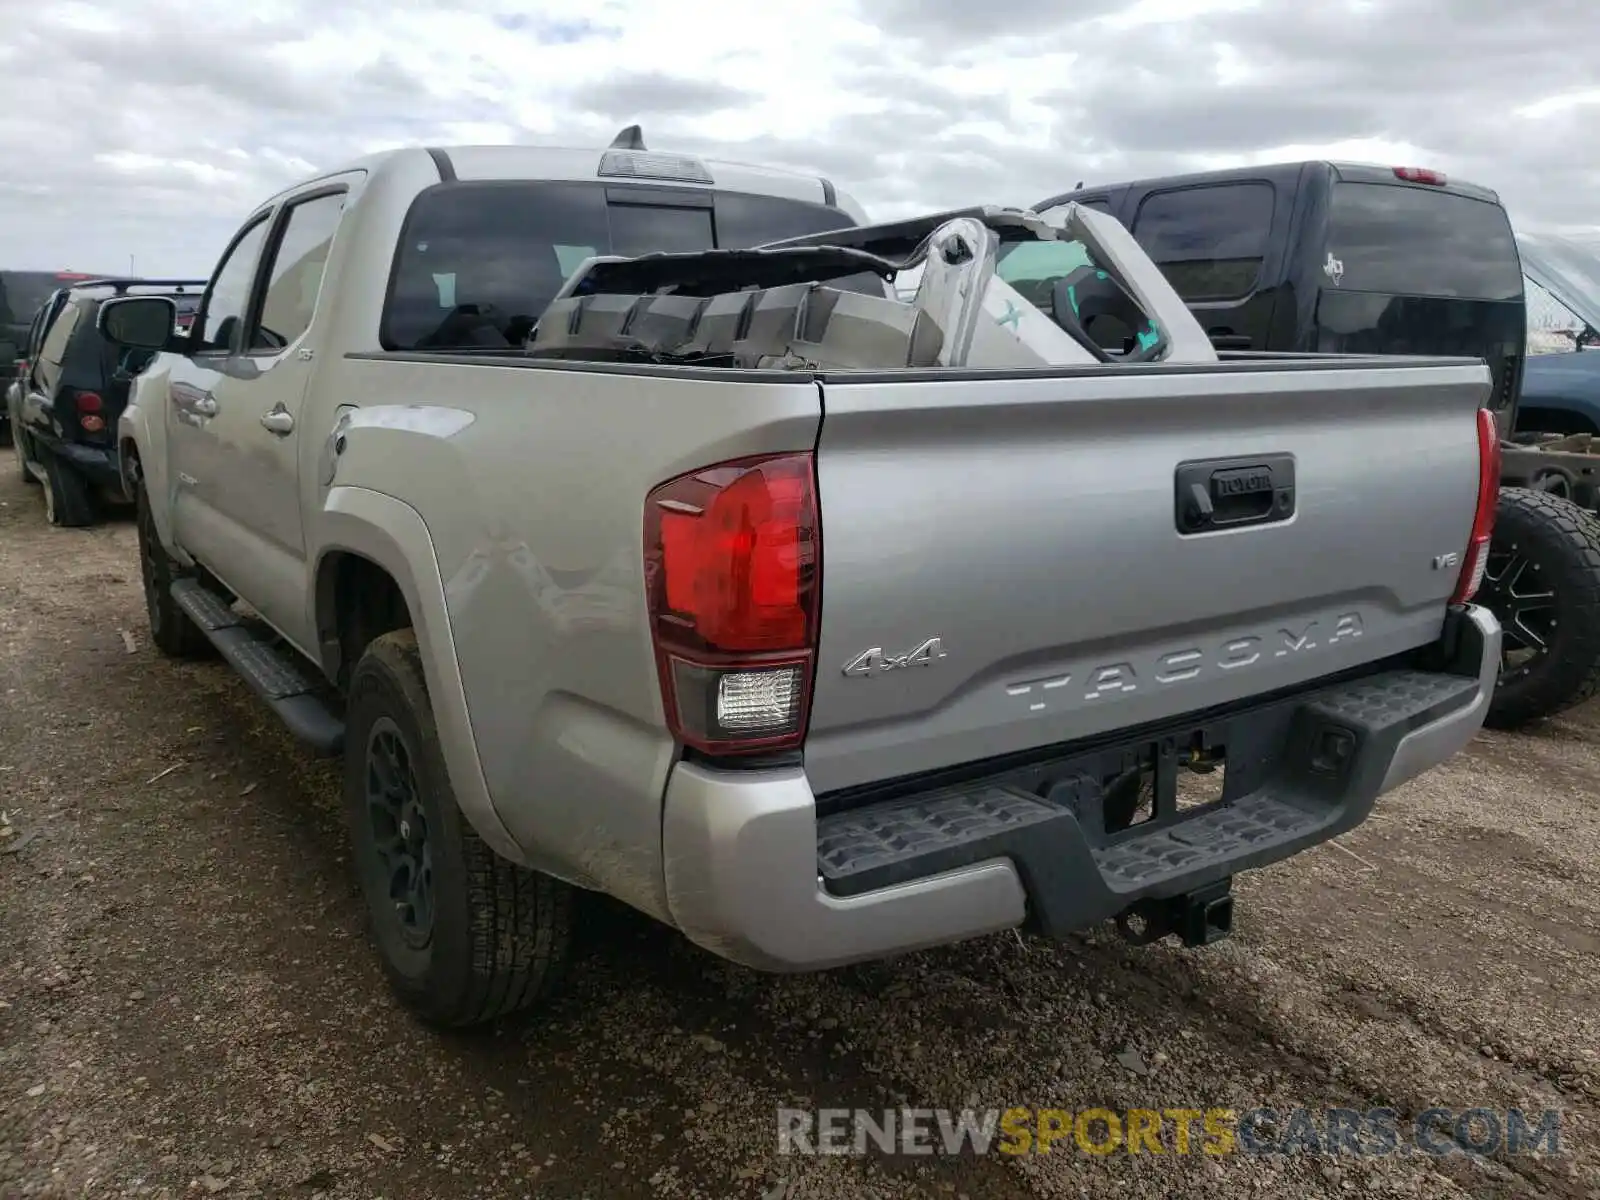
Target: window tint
{"points": [[479, 262], [230, 290], [744, 221], [647, 229], [1208, 241], [1419, 241], [296, 275]]}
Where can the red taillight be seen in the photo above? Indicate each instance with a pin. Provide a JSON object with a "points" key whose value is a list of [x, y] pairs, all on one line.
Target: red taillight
{"points": [[1477, 556], [89, 402], [731, 557], [1420, 175]]}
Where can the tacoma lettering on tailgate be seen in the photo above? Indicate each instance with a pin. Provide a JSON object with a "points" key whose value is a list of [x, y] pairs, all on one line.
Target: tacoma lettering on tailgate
{"points": [[1182, 666]]}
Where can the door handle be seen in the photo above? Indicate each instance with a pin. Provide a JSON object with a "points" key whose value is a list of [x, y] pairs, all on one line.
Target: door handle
{"points": [[278, 421], [205, 406]]}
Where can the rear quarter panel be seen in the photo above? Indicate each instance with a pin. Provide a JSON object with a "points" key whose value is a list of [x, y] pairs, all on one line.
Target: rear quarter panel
{"points": [[531, 480]]}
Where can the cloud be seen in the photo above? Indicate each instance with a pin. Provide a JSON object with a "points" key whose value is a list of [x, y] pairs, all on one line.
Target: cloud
{"points": [[656, 93], [151, 127]]}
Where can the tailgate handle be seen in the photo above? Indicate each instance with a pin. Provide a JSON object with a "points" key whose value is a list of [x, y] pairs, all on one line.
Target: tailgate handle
{"points": [[1229, 493]]}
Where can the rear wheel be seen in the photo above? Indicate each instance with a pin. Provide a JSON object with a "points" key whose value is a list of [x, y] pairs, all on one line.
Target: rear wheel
{"points": [[1543, 584], [464, 935], [19, 447], [68, 500]]}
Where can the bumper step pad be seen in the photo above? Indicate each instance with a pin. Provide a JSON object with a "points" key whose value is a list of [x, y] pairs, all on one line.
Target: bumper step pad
{"points": [[1322, 766], [273, 673]]}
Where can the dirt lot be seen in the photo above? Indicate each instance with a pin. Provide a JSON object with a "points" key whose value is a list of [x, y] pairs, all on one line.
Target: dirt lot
{"points": [[187, 1005]]}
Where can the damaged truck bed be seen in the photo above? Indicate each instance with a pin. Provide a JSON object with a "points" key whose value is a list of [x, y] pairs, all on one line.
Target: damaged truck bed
{"points": [[811, 303]]}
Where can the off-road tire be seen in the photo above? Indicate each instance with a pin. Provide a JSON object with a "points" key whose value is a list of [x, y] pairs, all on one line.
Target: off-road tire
{"points": [[499, 934], [68, 499], [1561, 543], [171, 630]]}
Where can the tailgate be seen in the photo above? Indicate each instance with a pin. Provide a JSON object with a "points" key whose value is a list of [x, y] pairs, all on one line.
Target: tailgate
{"points": [[1003, 568]]}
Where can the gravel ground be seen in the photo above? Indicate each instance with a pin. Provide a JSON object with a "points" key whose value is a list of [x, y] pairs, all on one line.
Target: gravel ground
{"points": [[188, 1005]]}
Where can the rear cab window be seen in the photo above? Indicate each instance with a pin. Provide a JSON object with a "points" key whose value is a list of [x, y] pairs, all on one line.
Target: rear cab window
{"points": [[1410, 240], [1209, 240], [478, 262]]}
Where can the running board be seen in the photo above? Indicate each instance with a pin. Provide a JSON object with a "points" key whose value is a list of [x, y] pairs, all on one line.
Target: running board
{"points": [[274, 674]]}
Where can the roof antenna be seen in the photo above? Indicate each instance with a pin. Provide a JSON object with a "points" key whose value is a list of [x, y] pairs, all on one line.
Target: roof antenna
{"points": [[631, 138], [1078, 186]]}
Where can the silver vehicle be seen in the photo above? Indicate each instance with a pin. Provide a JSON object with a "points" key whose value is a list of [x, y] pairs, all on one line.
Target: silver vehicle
{"points": [[623, 530]]}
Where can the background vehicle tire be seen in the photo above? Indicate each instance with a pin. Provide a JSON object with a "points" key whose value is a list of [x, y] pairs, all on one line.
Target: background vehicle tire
{"points": [[19, 447], [1543, 583], [68, 500], [464, 935], [173, 633]]}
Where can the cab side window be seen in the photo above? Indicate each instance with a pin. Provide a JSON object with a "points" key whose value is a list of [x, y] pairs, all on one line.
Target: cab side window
{"points": [[1208, 241], [295, 276], [230, 292]]}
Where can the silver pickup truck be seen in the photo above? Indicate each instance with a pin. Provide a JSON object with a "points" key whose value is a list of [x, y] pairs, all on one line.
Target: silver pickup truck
{"points": [[624, 530]]}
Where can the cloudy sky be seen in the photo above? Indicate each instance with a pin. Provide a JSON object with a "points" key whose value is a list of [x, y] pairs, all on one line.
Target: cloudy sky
{"points": [[148, 128]]}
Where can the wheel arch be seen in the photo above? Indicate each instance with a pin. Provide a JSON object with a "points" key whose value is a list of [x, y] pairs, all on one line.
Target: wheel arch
{"points": [[366, 536]]}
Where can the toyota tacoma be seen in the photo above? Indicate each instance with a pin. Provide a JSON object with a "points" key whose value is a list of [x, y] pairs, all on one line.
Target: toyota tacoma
{"points": [[624, 530]]}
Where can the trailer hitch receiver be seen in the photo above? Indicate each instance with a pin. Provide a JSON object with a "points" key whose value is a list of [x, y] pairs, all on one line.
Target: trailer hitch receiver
{"points": [[1198, 918]]}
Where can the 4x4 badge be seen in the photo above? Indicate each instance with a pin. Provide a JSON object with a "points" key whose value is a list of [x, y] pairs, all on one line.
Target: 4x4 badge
{"points": [[876, 662]]}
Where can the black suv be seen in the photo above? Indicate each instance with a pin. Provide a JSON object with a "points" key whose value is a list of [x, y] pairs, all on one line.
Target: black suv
{"points": [[64, 406], [1360, 259]]}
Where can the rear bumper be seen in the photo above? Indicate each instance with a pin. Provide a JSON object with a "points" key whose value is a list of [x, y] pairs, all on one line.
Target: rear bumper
{"points": [[98, 464], [753, 874]]}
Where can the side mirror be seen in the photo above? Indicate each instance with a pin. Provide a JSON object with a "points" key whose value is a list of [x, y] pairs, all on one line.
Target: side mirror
{"points": [[140, 322], [1589, 337]]}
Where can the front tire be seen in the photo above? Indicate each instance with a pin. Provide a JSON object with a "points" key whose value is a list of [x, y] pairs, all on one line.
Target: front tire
{"points": [[464, 936], [1543, 584]]}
